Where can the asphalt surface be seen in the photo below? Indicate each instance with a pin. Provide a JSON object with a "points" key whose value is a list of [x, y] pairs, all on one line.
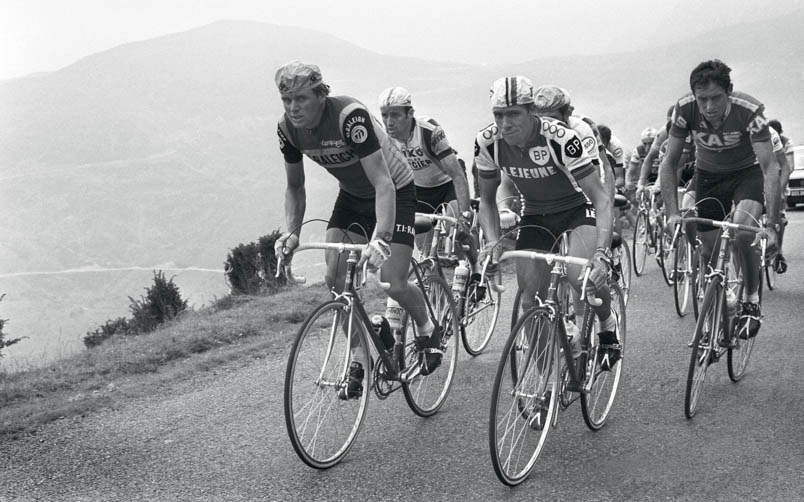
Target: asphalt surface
{"points": [[221, 435]]}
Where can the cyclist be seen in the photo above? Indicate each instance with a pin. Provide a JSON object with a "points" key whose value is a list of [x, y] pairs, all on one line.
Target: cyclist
{"points": [[734, 160], [786, 161], [638, 155], [376, 201], [437, 172], [547, 163], [656, 154], [614, 149]]}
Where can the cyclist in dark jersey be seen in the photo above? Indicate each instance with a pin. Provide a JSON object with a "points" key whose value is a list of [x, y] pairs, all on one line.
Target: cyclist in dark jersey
{"points": [[561, 190], [734, 163], [377, 198]]}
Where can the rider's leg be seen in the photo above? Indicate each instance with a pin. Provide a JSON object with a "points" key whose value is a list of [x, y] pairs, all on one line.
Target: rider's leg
{"points": [[582, 243], [748, 213]]}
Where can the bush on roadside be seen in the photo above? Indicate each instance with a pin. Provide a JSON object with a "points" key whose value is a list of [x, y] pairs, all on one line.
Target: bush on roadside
{"points": [[251, 268], [117, 326], [3, 341], [162, 302]]}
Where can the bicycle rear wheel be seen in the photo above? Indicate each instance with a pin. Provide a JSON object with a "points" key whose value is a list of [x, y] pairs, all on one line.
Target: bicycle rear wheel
{"points": [[322, 427], [708, 329], [524, 396], [682, 273], [425, 394], [740, 353], [480, 314], [597, 404], [626, 269], [641, 242]]}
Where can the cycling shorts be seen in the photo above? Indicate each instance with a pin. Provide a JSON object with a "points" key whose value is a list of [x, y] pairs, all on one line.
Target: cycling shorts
{"points": [[430, 198], [551, 226], [357, 215], [715, 192]]}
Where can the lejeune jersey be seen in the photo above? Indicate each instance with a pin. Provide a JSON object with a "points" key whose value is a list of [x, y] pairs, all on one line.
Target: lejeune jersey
{"points": [[545, 172], [424, 150], [728, 147], [591, 144], [347, 133]]}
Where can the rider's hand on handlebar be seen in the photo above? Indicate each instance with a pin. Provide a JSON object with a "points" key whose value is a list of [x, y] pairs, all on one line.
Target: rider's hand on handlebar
{"points": [[284, 246], [599, 275], [508, 219], [773, 239], [376, 252]]}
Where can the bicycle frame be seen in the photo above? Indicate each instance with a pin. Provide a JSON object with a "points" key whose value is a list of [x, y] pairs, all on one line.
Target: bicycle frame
{"points": [[581, 379]]}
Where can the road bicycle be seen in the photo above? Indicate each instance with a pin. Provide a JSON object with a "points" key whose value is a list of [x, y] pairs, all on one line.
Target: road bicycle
{"points": [[321, 423], [538, 373], [714, 330], [650, 236], [477, 300]]}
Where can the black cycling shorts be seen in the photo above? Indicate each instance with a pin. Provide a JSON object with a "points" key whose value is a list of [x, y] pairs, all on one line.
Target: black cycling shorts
{"points": [[715, 192], [551, 226], [357, 215], [430, 198]]}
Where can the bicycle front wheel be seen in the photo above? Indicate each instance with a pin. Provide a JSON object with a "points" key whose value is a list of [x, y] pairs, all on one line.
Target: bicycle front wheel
{"points": [[425, 394], [740, 351], [481, 312], [322, 426], [770, 274], [641, 242], [524, 397], [708, 329], [597, 403], [682, 275], [664, 254], [698, 278]]}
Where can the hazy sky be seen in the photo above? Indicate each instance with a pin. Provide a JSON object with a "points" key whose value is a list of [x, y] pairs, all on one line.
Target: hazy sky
{"points": [[45, 35], [42, 35]]}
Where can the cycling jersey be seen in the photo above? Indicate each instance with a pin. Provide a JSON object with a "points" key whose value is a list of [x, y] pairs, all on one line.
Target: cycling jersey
{"points": [[346, 133], [545, 171], [615, 149], [424, 150], [728, 147]]}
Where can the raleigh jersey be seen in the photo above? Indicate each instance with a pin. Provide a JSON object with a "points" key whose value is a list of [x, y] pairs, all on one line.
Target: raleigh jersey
{"points": [[424, 150], [545, 172], [727, 148], [347, 133]]}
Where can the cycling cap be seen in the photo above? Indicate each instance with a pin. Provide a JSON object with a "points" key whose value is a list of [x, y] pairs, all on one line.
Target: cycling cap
{"points": [[550, 98], [395, 96], [510, 91], [648, 134], [297, 76]]}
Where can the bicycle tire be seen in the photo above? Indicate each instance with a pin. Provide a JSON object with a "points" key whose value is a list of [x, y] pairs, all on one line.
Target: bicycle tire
{"points": [[664, 251], [426, 394], [627, 270], [682, 275], [740, 354], [698, 279], [597, 403], [640, 239], [479, 318], [770, 274], [707, 332], [308, 402], [514, 442]]}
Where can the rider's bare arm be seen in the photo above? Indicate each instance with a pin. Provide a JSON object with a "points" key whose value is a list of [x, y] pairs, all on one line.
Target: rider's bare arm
{"points": [[453, 169], [770, 169], [667, 174], [385, 203], [295, 196]]}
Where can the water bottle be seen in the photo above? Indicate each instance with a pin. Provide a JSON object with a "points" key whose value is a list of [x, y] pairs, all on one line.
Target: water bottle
{"points": [[394, 313], [383, 330], [574, 338], [731, 303], [460, 277]]}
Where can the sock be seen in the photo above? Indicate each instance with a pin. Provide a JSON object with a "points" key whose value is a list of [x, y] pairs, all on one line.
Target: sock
{"points": [[753, 298], [426, 330], [609, 324]]}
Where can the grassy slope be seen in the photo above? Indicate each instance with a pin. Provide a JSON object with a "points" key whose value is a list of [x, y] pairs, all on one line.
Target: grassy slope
{"points": [[236, 328]]}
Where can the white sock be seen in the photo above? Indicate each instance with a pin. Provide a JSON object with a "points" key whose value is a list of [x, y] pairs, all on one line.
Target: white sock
{"points": [[753, 298], [609, 324], [426, 330]]}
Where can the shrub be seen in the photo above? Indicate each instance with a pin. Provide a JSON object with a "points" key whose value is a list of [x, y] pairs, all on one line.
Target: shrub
{"points": [[119, 326], [161, 302], [3, 341], [251, 268]]}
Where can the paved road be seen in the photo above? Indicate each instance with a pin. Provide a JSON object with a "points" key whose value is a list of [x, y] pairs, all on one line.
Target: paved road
{"points": [[221, 436]]}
